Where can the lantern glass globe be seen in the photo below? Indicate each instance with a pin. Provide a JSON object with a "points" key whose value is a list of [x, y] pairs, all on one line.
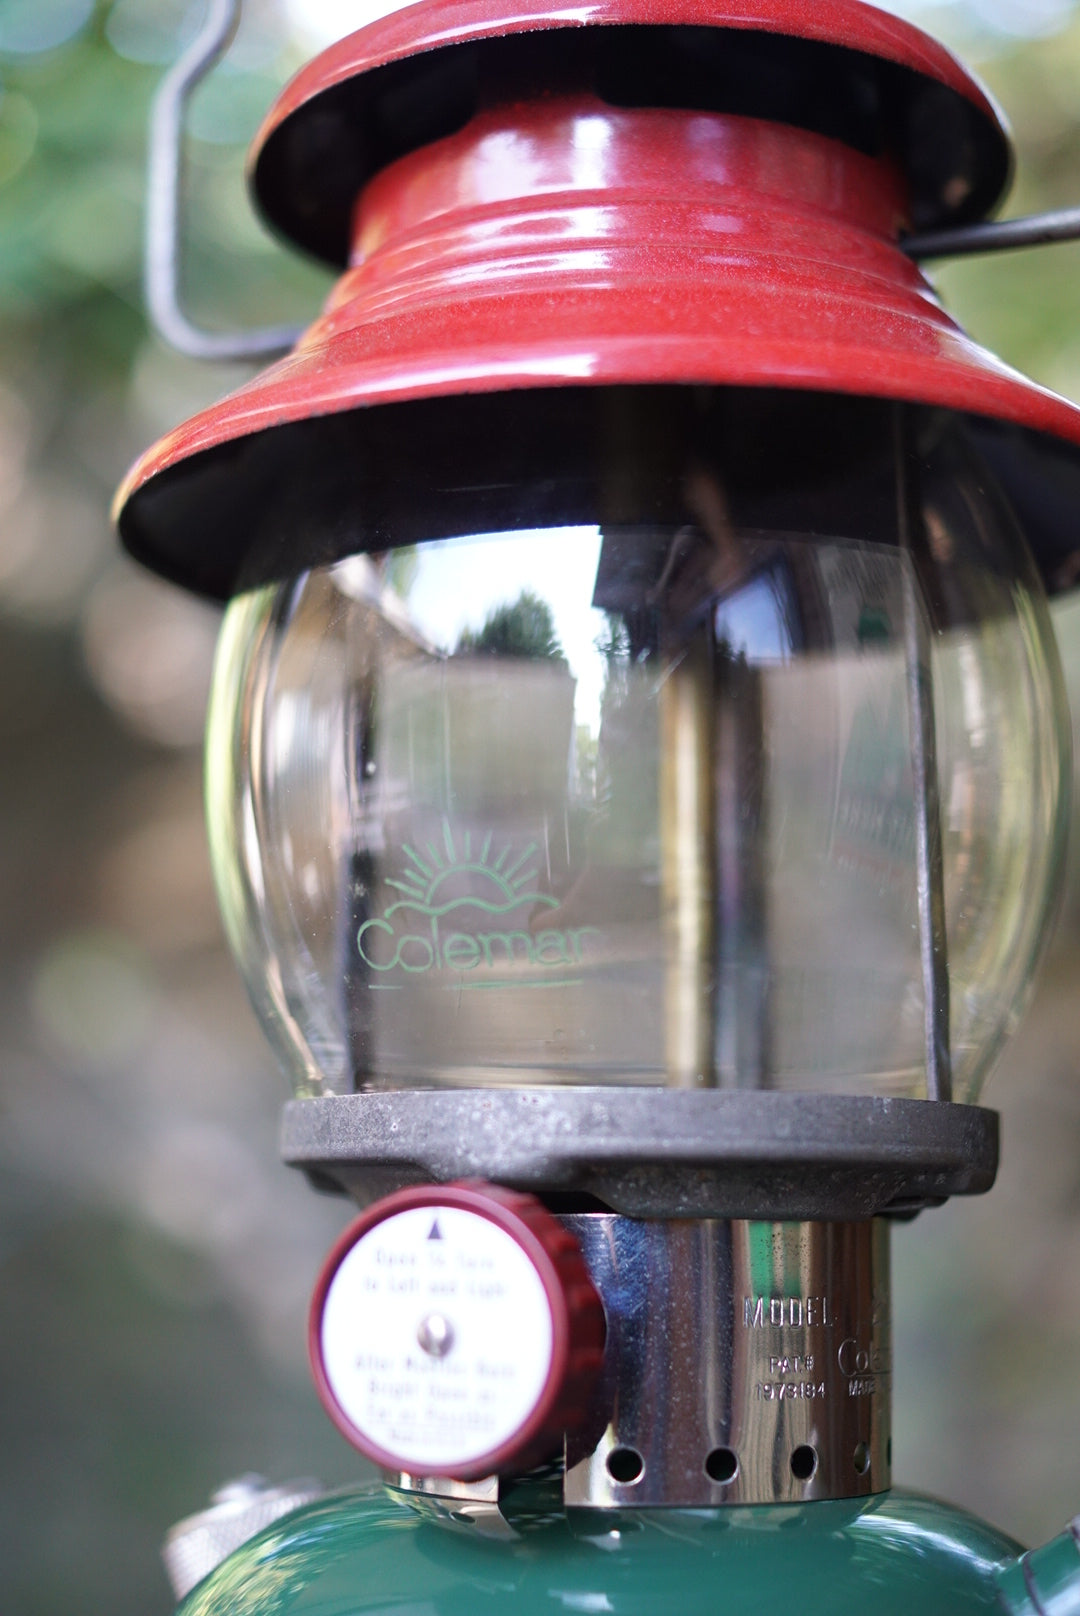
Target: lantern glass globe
{"points": [[750, 785]]}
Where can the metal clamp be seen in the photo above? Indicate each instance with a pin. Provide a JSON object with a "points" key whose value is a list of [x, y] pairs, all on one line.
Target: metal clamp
{"points": [[471, 1506], [163, 227]]}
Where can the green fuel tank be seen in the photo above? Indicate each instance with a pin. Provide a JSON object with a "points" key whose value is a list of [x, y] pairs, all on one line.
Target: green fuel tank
{"points": [[362, 1553]]}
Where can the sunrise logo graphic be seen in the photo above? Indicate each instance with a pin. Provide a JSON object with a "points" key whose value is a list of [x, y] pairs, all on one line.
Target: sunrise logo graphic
{"points": [[437, 885], [448, 917]]}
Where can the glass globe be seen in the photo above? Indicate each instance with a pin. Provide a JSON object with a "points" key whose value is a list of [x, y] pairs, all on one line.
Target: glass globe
{"points": [[757, 784]]}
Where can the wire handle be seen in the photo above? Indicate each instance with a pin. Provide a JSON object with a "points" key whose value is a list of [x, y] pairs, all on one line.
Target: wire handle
{"points": [[999, 235], [161, 263]]}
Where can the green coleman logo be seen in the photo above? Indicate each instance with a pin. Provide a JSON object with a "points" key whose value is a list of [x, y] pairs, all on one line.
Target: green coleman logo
{"points": [[463, 911]]}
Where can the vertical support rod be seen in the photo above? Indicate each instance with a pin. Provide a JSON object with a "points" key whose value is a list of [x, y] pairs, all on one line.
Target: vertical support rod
{"points": [[688, 873], [743, 1058], [933, 944]]}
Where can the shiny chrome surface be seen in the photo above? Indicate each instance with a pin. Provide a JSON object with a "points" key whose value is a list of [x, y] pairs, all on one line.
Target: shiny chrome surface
{"points": [[746, 1363], [471, 1505]]}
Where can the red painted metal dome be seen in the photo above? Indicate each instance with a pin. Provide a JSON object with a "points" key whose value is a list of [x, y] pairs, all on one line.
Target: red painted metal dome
{"points": [[616, 195], [837, 67]]}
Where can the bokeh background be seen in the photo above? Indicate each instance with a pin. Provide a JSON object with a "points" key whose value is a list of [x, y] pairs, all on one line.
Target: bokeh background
{"points": [[155, 1260]]}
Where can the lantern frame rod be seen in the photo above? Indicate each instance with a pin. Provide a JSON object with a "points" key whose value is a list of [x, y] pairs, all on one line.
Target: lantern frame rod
{"points": [[996, 235], [165, 164], [930, 875]]}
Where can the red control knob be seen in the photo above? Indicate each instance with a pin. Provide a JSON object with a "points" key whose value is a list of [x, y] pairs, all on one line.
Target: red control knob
{"points": [[455, 1332]]}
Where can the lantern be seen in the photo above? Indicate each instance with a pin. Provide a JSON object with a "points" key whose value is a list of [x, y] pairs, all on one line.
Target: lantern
{"points": [[637, 777]]}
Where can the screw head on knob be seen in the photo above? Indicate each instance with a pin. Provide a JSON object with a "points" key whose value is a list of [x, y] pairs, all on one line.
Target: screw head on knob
{"points": [[495, 1294], [435, 1334]]}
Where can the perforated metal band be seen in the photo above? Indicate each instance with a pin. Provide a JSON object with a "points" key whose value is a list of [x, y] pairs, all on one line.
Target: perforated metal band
{"points": [[746, 1363]]}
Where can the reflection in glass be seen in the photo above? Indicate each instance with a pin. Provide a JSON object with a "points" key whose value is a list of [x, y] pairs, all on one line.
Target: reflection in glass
{"points": [[632, 803]]}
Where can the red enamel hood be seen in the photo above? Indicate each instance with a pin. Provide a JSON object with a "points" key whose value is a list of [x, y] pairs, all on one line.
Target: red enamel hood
{"points": [[621, 194]]}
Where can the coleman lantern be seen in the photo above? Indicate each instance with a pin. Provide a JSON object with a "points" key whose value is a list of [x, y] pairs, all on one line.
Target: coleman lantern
{"points": [[637, 783]]}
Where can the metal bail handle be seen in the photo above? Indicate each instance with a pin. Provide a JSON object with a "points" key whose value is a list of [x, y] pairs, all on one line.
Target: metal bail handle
{"points": [[161, 271], [455, 1332]]}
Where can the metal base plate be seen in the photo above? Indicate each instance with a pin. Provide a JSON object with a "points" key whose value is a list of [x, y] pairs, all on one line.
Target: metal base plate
{"points": [[654, 1153]]}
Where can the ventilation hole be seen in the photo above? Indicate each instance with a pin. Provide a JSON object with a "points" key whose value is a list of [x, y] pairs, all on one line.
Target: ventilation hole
{"points": [[862, 1458], [803, 1462], [625, 1465], [721, 1465]]}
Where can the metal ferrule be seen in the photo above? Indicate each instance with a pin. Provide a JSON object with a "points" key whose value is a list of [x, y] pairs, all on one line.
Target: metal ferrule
{"points": [[746, 1363]]}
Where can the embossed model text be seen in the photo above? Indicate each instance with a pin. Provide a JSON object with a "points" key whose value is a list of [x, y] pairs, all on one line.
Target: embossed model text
{"points": [[762, 1312]]}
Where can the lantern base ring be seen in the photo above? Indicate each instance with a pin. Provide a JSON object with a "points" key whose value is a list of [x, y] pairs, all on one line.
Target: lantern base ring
{"points": [[653, 1152]]}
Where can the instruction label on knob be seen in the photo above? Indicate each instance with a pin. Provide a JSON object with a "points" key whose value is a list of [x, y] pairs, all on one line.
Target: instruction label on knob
{"points": [[437, 1337]]}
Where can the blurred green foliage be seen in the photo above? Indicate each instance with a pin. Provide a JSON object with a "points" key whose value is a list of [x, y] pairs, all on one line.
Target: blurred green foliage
{"points": [[72, 175], [522, 628]]}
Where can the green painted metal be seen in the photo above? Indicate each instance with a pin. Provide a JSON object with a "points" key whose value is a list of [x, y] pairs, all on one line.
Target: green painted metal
{"points": [[1046, 1581], [362, 1553]]}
